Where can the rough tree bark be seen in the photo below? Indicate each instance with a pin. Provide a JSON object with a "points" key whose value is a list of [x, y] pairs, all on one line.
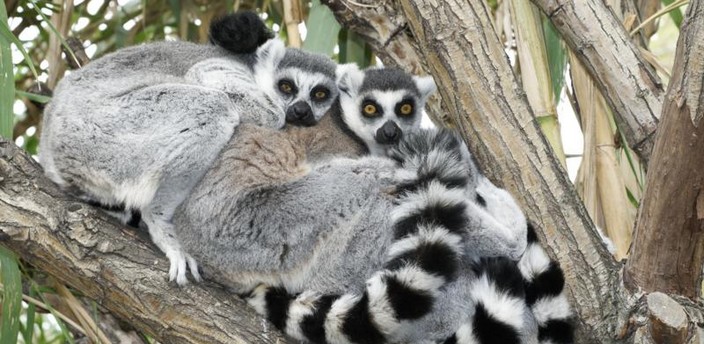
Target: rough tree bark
{"points": [[668, 250], [90, 252], [627, 82]]}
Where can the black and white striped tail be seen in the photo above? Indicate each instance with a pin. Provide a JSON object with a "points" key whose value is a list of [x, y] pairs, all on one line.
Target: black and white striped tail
{"points": [[239, 33], [429, 219], [500, 307], [505, 290], [545, 295]]}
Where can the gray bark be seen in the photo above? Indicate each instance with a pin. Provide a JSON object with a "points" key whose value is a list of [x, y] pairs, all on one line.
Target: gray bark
{"points": [[628, 83], [668, 247]]}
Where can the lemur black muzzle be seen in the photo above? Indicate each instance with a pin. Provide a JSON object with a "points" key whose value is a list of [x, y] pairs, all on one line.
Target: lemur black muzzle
{"points": [[389, 133], [300, 113]]}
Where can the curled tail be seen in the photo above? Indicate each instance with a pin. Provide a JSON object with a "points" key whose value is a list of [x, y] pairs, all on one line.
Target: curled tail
{"points": [[429, 220], [544, 283], [505, 291], [239, 33], [500, 307]]}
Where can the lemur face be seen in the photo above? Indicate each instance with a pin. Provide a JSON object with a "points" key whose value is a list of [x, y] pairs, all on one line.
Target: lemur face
{"points": [[307, 94], [380, 104], [302, 83]]}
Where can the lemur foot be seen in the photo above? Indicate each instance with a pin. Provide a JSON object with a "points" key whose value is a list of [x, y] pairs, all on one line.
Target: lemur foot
{"points": [[181, 262]]}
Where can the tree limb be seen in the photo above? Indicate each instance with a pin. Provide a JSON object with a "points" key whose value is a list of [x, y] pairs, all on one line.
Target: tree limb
{"points": [[87, 250], [629, 84]]}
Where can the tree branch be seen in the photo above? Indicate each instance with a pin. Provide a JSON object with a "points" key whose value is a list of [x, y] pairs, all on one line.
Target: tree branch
{"points": [[628, 83], [84, 248]]}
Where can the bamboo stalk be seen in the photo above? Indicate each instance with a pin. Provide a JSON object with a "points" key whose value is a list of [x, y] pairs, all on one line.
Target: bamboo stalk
{"points": [[586, 182], [92, 329], [293, 17], [535, 73], [62, 22], [602, 186]]}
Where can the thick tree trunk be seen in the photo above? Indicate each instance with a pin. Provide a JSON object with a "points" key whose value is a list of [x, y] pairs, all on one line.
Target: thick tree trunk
{"points": [[668, 251], [87, 250]]}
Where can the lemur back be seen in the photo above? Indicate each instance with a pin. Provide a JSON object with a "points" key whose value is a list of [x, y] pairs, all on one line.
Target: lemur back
{"points": [[139, 127]]}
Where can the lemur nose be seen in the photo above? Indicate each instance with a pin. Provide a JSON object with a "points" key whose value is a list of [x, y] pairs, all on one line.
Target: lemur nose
{"points": [[301, 109], [388, 133], [300, 113]]}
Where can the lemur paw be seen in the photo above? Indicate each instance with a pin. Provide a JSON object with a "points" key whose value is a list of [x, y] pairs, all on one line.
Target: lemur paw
{"points": [[181, 262]]}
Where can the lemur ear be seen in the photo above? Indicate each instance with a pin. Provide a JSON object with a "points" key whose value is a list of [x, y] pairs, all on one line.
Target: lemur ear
{"points": [[349, 78], [426, 86], [271, 52]]}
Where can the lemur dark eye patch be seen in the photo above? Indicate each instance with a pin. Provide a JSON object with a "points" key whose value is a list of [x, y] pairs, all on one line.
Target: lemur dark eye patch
{"points": [[371, 109], [287, 86], [405, 107], [320, 93]]}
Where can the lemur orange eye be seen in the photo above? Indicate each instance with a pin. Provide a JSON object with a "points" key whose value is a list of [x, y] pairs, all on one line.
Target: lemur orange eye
{"points": [[406, 109], [369, 110], [321, 94]]}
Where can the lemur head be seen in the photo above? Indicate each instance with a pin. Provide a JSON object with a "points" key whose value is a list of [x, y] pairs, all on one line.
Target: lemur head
{"points": [[302, 83], [380, 104]]}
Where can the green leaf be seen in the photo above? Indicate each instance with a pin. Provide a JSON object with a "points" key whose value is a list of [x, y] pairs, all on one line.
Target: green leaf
{"points": [[557, 57], [353, 49], [28, 331], [11, 296], [33, 96], [6, 32], [31, 144], [632, 198], [322, 30], [7, 83], [629, 158], [675, 14]]}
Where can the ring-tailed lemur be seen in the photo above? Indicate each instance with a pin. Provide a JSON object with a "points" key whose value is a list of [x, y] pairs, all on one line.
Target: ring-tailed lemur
{"points": [[380, 104], [306, 317], [265, 213], [139, 127], [373, 102], [302, 79]]}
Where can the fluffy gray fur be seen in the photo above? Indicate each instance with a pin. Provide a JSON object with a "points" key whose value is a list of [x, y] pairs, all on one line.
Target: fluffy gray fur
{"points": [[139, 127], [273, 211]]}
